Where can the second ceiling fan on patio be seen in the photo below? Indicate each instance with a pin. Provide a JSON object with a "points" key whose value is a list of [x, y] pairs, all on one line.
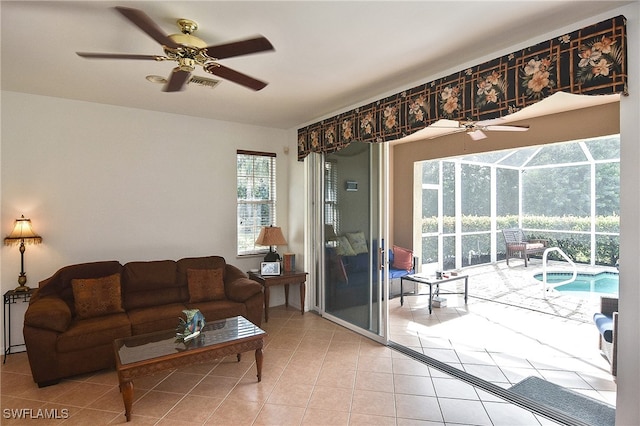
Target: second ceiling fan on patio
{"points": [[475, 129]]}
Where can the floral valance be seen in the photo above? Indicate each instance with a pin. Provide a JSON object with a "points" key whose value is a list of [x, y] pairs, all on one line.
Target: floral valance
{"points": [[589, 61]]}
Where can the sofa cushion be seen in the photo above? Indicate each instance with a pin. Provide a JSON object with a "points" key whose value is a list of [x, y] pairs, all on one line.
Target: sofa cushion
{"points": [[204, 262], [398, 273], [94, 297], [205, 284], [50, 313], [146, 284], [150, 275], [359, 263], [59, 284], [219, 309], [402, 258], [604, 323], [155, 318], [344, 247], [242, 289], [92, 332], [358, 242]]}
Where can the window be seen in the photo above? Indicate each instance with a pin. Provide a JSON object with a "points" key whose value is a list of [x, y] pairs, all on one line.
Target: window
{"points": [[331, 195], [567, 192], [256, 182]]}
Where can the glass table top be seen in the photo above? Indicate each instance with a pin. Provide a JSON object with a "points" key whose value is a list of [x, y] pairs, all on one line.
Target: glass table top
{"points": [[154, 345]]}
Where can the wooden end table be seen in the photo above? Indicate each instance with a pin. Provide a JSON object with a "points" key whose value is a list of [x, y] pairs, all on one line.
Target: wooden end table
{"points": [[285, 278], [146, 354]]}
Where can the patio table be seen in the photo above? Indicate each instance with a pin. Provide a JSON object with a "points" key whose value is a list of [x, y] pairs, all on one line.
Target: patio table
{"points": [[432, 280]]}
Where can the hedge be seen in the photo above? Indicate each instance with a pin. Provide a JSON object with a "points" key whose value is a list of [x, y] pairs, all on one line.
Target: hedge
{"points": [[576, 246]]}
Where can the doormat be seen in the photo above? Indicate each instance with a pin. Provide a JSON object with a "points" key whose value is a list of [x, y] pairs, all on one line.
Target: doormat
{"points": [[578, 406]]}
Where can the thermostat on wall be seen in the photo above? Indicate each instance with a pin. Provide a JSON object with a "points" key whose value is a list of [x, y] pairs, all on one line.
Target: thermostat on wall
{"points": [[351, 185]]}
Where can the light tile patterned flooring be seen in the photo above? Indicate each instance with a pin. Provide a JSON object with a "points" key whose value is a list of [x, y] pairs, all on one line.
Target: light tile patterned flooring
{"points": [[318, 373], [315, 373], [509, 331]]}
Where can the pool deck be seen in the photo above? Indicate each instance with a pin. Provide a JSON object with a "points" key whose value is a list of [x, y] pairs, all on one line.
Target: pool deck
{"points": [[515, 285], [510, 329]]}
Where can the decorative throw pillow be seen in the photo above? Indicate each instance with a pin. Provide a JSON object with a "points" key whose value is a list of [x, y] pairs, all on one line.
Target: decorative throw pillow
{"points": [[344, 247], [358, 242], [94, 297], [402, 258], [205, 284]]}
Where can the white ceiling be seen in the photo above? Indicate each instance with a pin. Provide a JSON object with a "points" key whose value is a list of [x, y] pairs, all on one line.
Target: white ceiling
{"points": [[329, 55]]}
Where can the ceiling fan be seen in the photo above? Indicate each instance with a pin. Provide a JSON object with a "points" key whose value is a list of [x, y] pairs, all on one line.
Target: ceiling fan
{"points": [[475, 130], [189, 51]]}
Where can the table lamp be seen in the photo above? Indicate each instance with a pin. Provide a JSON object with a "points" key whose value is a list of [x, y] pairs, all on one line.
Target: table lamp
{"points": [[271, 236], [22, 232]]}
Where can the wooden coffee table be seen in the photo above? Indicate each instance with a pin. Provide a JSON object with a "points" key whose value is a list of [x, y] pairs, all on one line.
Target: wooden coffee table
{"points": [[146, 354]]}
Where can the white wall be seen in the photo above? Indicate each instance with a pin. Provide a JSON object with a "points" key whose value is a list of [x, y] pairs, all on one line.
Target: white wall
{"points": [[101, 182]]}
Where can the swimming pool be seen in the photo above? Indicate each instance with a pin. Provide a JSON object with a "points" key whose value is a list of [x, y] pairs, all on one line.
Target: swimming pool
{"points": [[585, 283]]}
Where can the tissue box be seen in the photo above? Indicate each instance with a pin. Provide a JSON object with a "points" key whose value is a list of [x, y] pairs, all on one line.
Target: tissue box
{"points": [[439, 302]]}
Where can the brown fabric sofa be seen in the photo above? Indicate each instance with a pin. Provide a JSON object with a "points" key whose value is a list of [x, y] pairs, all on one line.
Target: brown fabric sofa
{"points": [[74, 316]]}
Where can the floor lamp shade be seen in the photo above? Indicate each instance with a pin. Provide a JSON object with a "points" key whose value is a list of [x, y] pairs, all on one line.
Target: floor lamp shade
{"points": [[22, 233]]}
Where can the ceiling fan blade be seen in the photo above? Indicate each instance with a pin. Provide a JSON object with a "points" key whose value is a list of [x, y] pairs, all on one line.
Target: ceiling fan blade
{"points": [[146, 24], [90, 55], [477, 135], [237, 48], [177, 80], [235, 76], [505, 128]]}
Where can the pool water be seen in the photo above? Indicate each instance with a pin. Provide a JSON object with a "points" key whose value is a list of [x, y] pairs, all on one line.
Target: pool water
{"points": [[602, 282]]}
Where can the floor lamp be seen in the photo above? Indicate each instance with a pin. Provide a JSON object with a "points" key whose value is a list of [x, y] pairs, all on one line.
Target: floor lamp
{"points": [[22, 232]]}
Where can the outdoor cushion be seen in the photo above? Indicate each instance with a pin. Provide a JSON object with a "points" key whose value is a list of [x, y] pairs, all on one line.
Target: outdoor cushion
{"points": [[402, 258], [604, 323], [534, 245], [398, 273], [344, 247], [358, 242]]}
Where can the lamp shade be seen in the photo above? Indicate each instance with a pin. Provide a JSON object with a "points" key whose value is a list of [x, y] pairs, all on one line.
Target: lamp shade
{"points": [[329, 232], [271, 236], [22, 232]]}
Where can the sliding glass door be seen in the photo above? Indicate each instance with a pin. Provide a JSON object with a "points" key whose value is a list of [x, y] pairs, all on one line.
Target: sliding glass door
{"points": [[353, 190]]}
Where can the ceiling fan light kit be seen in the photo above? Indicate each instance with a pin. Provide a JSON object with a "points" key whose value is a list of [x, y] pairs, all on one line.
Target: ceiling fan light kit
{"points": [[189, 52]]}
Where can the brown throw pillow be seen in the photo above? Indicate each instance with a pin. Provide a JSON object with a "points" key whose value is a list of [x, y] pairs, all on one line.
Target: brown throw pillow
{"points": [[205, 285], [94, 297]]}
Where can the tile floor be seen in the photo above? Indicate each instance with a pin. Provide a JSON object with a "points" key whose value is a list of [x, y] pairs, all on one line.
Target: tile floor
{"points": [[508, 331], [317, 372]]}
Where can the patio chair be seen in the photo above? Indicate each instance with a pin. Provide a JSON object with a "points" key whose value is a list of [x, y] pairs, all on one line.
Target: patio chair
{"points": [[518, 246]]}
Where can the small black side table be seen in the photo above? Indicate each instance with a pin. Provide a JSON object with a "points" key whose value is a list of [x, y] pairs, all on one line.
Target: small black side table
{"points": [[11, 297]]}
